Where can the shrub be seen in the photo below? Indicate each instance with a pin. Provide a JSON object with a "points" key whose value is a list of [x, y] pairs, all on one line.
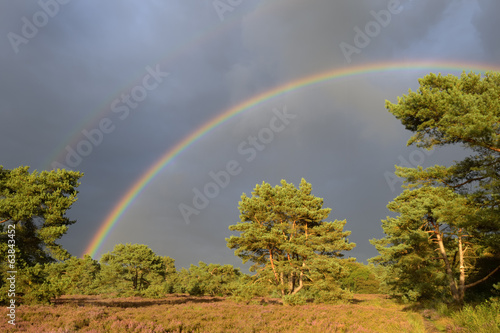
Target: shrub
{"points": [[295, 299], [154, 291], [361, 279]]}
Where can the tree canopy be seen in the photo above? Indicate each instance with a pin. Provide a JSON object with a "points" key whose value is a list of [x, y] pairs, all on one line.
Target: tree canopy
{"points": [[284, 234], [133, 267], [36, 203]]}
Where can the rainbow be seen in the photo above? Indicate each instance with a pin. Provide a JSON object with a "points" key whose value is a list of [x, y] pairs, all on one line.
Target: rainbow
{"points": [[138, 186]]}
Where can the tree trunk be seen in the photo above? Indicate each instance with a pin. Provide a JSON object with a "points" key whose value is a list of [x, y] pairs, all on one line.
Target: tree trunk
{"points": [[461, 284], [272, 265], [282, 283], [291, 282], [449, 271], [301, 283]]}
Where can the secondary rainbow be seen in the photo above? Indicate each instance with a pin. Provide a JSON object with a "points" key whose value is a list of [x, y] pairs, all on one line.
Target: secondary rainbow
{"points": [[186, 47], [119, 209]]}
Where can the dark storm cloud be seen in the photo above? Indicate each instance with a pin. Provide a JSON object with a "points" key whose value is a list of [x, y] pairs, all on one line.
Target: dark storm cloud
{"points": [[487, 28]]}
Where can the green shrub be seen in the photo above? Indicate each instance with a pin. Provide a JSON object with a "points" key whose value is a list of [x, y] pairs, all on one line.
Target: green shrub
{"points": [[154, 291], [296, 299], [361, 279], [32, 287]]}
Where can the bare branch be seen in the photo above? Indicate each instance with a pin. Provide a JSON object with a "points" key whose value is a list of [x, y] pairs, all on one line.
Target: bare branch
{"points": [[483, 279]]}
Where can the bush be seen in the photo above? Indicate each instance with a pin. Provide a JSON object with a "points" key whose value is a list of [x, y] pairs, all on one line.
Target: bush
{"points": [[296, 299], [206, 279], [361, 279], [154, 291], [33, 287]]}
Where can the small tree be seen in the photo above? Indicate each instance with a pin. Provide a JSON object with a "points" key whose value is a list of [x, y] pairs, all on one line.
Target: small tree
{"points": [[284, 234], [132, 268]]}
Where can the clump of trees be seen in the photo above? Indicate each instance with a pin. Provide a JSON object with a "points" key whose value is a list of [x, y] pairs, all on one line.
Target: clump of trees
{"points": [[446, 237], [282, 231]]}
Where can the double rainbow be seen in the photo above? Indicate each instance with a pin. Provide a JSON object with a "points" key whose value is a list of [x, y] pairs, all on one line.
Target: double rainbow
{"points": [[138, 185]]}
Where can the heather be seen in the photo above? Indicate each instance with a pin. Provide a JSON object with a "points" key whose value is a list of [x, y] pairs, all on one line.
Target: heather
{"points": [[184, 313]]}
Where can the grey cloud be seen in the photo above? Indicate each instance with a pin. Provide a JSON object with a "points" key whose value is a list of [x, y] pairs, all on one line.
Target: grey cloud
{"points": [[486, 25]]}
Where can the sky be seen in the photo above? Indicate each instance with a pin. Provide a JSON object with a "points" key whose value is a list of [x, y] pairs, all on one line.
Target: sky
{"points": [[108, 88]]}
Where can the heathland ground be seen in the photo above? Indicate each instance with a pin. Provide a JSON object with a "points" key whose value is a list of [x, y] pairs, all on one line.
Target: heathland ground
{"points": [[184, 313]]}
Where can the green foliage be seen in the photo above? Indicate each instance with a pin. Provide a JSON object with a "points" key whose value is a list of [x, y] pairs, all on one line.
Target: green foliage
{"points": [[411, 247], [31, 287], [131, 269], [154, 291], [40, 284], [211, 279], [248, 288], [325, 280], [450, 109], [446, 238], [294, 299], [361, 279], [284, 234], [36, 204], [75, 276], [171, 276], [483, 291]]}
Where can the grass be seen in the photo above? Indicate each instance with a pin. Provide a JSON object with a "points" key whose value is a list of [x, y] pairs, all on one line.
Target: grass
{"points": [[483, 318], [182, 313], [416, 322]]}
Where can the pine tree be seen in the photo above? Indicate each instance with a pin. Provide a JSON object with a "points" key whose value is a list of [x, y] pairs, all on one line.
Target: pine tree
{"points": [[448, 228], [284, 234], [132, 268], [36, 203]]}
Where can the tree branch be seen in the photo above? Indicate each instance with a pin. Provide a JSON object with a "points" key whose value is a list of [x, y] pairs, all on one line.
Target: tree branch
{"points": [[481, 144], [483, 279], [466, 182]]}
